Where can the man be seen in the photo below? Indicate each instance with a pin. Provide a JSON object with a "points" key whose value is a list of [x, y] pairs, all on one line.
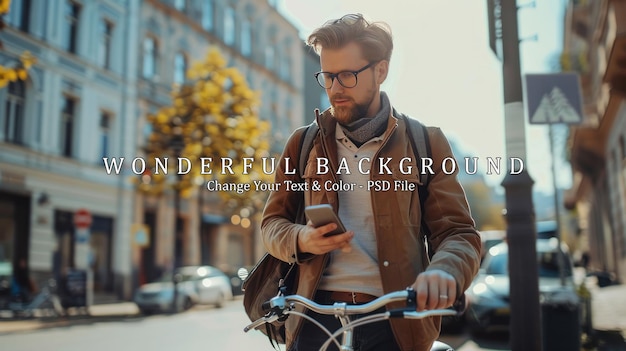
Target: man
{"points": [[363, 140]]}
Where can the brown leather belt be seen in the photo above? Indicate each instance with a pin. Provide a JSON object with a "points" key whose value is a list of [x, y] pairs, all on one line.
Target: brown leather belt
{"points": [[346, 296]]}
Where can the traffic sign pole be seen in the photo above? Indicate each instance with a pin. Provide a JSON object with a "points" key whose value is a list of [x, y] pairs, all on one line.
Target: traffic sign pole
{"points": [[553, 98], [82, 249]]}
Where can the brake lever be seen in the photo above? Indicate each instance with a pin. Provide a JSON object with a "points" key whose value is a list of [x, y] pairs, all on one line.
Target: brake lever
{"points": [[276, 307], [274, 311], [460, 305], [268, 318]]}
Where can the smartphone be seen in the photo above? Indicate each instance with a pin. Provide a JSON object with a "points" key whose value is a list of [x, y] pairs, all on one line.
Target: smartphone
{"points": [[323, 214]]}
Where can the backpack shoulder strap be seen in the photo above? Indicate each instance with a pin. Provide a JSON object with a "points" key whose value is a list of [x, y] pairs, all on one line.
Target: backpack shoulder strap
{"points": [[306, 144], [420, 143]]}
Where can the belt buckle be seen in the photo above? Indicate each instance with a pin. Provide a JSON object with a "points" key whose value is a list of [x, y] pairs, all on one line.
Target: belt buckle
{"points": [[353, 297]]}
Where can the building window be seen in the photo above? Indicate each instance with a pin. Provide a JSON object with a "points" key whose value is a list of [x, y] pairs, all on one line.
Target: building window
{"points": [[207, 15], [229, 26], [180, 68], [106, 36], [180, 5], [285, 67], [105, 134], [14, 112], [19, 14], [269, 56], [147, 130], [273, 106], [246, 38], [149, 57], [72, 12], [68, 115]]}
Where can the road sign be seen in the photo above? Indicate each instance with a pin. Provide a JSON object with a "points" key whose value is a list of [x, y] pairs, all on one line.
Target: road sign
{"points": [[141, 234], [554, 98], [82, 218], [81, 235]]}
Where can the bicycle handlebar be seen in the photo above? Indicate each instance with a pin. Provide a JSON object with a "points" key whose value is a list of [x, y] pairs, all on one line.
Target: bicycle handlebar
{"points": [[280, 306]]}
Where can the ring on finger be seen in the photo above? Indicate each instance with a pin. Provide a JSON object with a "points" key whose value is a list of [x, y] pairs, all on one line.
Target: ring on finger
{"points": [[443, 297]]}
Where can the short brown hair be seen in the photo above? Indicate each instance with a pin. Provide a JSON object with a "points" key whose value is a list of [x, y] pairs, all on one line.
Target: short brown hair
{"points": [[374, 38]]}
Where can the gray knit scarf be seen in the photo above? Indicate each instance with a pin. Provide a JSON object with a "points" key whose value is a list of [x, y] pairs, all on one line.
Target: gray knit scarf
{"points": [[365, 128]]}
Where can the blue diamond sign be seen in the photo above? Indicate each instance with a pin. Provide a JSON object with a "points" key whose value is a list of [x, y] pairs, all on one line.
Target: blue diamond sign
{"points": [[554, 98]]}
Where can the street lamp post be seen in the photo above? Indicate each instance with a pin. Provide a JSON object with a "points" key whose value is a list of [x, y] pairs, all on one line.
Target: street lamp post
{"points": [[525, 331]]}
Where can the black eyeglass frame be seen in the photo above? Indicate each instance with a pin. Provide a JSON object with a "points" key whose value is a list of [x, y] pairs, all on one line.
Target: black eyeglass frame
{"points": [[332, 76]]}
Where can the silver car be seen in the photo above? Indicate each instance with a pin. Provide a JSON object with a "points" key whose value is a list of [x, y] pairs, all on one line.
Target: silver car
{"points": [[488, 296], [204, 285]]}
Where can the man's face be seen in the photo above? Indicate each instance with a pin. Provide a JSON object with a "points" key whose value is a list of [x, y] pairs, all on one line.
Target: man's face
{"points": [[350, 104]]}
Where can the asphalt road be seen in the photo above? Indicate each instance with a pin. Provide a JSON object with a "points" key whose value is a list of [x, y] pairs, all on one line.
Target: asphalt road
{"points": [[202, 329]]}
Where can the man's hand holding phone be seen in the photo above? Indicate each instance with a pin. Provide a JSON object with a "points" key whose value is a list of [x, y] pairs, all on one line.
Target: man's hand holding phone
{"points": [[324, 232]]}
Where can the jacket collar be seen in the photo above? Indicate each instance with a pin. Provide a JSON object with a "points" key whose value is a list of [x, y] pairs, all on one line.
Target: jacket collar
{"points": [[328, 125]]}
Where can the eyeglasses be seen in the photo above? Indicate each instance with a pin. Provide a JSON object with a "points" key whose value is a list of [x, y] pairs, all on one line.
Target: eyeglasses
{"points": [[348, 19], [347, 79]]}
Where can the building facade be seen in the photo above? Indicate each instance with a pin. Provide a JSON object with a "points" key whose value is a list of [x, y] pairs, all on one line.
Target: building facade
{"points": [[314, 95], [76, 107], [595, 46], [102, 66], [256, 39]]}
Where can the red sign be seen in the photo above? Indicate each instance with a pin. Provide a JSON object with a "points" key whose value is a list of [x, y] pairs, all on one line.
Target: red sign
{"points": [[82, 218]]}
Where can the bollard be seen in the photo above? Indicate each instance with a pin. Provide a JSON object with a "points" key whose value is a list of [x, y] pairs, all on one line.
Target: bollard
{"points": [[560, 317]]}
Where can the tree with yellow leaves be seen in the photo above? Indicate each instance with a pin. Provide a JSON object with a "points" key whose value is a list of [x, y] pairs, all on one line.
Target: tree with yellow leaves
{"points": [[214, 115], [11, 74]]}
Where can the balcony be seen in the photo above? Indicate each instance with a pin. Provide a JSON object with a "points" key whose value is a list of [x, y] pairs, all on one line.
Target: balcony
{"points": [[616, 64]]}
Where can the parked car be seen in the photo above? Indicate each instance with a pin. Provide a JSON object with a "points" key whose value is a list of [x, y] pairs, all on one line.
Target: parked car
{"points": [[195, 285], [546, 229], [489, 298], [6, 272], [489, 238]]}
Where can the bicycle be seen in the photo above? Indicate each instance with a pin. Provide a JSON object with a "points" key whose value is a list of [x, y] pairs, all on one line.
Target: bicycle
{"points": [[47, 294], [281, 306]]}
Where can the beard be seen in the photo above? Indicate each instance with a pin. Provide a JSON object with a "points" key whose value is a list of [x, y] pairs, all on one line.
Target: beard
{"points": [[346, 114]]}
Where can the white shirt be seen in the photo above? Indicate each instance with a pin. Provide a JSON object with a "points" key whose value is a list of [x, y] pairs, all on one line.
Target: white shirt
{"points": [[355, 271]]}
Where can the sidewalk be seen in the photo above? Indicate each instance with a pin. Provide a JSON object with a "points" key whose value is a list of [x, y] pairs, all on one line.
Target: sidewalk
{"points": [[97, 313], [609, 313]]}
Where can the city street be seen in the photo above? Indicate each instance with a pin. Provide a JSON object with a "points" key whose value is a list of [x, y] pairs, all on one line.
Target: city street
{"points": [[202, 328]]}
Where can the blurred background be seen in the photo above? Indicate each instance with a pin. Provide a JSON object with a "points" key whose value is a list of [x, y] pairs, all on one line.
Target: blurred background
{"points": [[87, 80]]}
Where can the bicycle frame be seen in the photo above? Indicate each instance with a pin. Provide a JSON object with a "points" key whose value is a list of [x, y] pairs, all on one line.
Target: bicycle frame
{"points": [[281, 305]]}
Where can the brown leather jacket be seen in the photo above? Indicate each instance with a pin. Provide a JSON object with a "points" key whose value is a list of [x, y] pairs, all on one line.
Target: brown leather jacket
{"points": [[401, 251]]}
